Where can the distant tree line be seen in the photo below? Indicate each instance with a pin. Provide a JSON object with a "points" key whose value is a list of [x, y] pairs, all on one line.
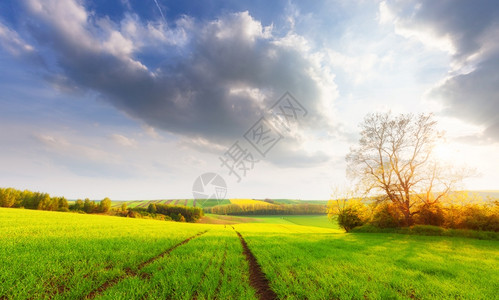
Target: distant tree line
{"points": [[256, 209], [91, 207], [10, 197], [166, 212]]}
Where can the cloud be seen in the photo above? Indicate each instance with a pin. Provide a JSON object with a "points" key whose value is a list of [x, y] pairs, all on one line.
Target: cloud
{"points": [[470, 30], [61, 146], [123, 140], [12, 42], [16, 46], [208, 80]]}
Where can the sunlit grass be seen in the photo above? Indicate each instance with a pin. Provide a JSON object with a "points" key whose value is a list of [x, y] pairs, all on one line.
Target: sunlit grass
{"points": [[67, 255]]}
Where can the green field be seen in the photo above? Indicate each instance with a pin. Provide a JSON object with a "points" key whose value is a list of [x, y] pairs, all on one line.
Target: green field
{"points": [[201, 202], [183, 202], [67, 256], [204, 203], [306, 220]]}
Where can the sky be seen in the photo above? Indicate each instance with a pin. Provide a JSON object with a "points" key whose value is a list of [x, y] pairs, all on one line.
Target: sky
{"points": [[133, 99]]}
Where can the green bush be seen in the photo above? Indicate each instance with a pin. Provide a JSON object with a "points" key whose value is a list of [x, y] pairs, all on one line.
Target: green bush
{"points": [[349, 218], [430, 215], [386, 216]]}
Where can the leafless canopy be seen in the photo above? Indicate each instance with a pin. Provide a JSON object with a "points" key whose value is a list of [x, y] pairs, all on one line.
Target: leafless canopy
{"points": [[394, 158]]}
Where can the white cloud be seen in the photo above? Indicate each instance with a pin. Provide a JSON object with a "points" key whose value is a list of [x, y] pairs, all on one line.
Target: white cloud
{"points": [[123, 140], [61, 146], [13, 43]]}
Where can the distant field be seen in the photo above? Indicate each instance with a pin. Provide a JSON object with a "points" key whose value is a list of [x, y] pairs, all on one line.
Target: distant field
{"points": [[245, 202], [291, 201], [305, 220], [68, 256], [207, 202], [492, 194], [211, 202]]}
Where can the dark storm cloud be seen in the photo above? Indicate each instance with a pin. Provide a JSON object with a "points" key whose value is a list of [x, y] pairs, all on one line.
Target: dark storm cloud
{"points": [[228, 70], [471, 92], [475, 96]]}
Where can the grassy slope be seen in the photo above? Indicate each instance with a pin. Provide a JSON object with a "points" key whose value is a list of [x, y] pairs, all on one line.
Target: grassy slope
{"points": [[312, 220], [373, 266], [192, 271], [49, 252], [46, 253]]}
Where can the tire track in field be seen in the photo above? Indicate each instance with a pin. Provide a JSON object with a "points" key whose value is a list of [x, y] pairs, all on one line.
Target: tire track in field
{"points": [[221, 271], [130, 273], [258, 280], [203, 276]]}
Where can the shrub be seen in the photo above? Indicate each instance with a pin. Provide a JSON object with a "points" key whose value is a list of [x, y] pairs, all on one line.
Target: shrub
{"points": [[105, 205], [152, 208], [349, 218], [430, 215], [386, 216]]}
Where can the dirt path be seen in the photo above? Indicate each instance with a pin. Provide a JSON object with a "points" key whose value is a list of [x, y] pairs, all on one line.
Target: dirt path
{"points": [[257, 278], [129, 272]]}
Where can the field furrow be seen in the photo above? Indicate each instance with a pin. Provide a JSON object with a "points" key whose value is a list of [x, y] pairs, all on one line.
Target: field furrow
{"points": [[258, 280], [192, 271], [130, 272]]}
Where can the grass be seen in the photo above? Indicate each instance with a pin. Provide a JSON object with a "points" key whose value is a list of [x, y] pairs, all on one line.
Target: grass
{"points": [[203, 203], [49, 252], [374, 266], [66, 256], [193, 271], [311, 220]]}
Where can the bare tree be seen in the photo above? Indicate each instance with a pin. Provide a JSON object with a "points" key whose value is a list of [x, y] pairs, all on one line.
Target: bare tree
{"points": [[394, 157]]}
